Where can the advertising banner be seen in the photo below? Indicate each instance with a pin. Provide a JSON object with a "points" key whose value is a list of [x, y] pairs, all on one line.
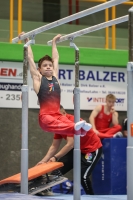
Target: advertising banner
{"points": [[94, 82]]}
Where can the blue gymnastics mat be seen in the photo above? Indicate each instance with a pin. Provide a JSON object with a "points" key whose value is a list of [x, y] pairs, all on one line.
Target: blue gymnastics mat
{"points": [[16, 196]]}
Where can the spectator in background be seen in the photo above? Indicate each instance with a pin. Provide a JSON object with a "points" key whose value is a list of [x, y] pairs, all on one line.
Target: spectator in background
{"points": [[91, 150], [101, 118]]}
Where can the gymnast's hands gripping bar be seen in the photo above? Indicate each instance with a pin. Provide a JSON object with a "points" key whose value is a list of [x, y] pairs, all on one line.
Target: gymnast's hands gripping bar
{"points": [[73, 35], [68, 19]]}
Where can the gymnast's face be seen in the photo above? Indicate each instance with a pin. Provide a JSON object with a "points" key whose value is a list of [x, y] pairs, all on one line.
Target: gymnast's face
{"points": [[46, 68], [110, 103]]}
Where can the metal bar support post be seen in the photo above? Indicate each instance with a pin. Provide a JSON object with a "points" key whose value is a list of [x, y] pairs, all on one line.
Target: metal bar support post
{"points": [[77, 153], [24, 143], [130, 109]]}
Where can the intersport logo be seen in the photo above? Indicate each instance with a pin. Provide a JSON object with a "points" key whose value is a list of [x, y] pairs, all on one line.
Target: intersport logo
{"points": [[103, 100]]}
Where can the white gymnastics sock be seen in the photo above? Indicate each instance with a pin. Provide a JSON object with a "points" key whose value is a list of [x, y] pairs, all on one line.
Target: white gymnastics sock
{"points": [[87, 126], [118, 134], [79, 125]]}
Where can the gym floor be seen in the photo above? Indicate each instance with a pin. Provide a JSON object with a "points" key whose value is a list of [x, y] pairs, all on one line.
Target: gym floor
{"points": [[16, 196]]}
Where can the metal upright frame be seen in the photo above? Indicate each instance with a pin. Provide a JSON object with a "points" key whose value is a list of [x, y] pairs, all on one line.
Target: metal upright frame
{"points": [[130, 110], [77, 153], [24, 150], [24, 142]]}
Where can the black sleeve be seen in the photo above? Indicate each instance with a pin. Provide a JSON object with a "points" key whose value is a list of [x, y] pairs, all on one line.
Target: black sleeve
{"points": [[124, 125]]}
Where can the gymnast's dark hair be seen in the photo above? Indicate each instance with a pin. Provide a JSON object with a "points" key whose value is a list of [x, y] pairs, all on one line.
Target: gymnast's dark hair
{"points": [[46, 57], [61, 107]]}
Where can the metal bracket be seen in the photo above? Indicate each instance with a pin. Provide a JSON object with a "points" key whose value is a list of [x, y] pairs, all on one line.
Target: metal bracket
{"points": [[33, 36], [73, 45], [76, 90], [130, 66], [25, 88], [30, 42], [71, 38]]}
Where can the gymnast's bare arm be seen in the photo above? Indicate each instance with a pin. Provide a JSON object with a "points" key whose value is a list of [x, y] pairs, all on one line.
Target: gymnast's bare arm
{"points": [[92, 117], [35, 74], [52, 151], [55, 55]]}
